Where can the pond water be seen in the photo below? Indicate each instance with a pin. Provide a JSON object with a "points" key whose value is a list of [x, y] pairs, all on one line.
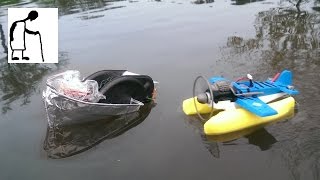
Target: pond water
{"points": [[173, 41]]}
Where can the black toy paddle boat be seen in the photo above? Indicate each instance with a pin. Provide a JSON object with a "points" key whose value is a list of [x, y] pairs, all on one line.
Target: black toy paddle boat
{"points": [[69, 99]]}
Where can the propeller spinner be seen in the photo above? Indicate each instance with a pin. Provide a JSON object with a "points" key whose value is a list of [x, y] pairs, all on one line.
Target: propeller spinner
{"points": [[203, 98], [202, 93]]}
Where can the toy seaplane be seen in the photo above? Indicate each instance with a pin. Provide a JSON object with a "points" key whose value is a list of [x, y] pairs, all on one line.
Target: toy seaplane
{"points": [[242, 104]]}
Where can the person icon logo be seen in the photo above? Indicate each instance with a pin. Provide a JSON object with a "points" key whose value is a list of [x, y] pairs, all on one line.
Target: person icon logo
{"points": [[17, 35], [26, 27]]}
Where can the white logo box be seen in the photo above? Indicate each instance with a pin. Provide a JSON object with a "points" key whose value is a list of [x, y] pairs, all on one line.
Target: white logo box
{"points": [[33, 34]]}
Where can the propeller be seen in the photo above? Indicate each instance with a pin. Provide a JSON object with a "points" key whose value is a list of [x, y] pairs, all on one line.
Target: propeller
{"points": [[202, 93]]}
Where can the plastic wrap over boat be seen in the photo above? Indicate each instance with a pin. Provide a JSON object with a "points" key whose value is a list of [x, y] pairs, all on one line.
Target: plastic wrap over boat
{"points": [[64, 110], [69, 83]]}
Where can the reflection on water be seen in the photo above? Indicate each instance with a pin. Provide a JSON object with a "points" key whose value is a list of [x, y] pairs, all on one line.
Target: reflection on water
{"points": [[257, 136], [261, 138], [90, 9], [289, 38], [3, 41], [74, 6], [9, 2], [18, 82], [242, 2], [203, 1], [283, 36], [73, 139], [87, 9], [316, 8]]}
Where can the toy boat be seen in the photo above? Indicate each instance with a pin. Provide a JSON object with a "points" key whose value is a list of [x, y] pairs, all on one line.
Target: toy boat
{"points": [[71, 100], [243, 104]]}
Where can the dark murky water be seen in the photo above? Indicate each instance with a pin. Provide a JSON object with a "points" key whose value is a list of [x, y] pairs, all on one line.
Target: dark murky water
{"points": [[173, 42]]}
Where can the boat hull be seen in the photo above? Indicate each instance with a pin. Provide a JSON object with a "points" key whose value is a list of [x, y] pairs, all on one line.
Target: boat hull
{"points": [[239, 119]]}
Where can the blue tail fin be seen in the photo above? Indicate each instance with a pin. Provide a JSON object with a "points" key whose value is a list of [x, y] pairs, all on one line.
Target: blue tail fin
{"points": [[285, 78], [284, 82]]}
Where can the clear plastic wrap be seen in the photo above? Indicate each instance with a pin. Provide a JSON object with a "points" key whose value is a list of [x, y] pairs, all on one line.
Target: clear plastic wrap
{"points": [[68, 100], [70, 85]]}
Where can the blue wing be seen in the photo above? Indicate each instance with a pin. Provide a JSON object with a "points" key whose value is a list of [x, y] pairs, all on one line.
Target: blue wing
{"points": [[256, 106]]}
